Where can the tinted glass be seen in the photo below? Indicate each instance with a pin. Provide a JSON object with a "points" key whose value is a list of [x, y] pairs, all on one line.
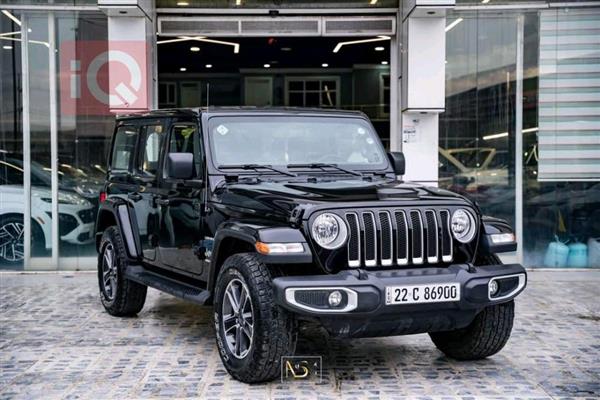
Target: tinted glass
{"points": [[124, 147], [184, 139], [152, 136], [295, 140]]}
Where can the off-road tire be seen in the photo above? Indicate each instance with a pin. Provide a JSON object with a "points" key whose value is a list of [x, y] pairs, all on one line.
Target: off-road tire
{"points": [[130, 296], [274, 332], [485, 336]]}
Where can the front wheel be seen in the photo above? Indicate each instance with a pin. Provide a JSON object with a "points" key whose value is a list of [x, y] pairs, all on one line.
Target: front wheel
{"points": [[485, 336], [252, 332]]}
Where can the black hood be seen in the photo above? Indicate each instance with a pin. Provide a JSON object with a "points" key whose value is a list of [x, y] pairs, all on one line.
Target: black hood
{"points": [[278, 199]]}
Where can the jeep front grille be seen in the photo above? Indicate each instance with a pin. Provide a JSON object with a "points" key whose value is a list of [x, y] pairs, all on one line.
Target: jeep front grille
{"points": [[398, 237]]}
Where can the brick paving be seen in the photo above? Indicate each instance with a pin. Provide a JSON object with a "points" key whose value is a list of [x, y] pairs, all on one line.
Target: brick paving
{"points": [[56, 341]]}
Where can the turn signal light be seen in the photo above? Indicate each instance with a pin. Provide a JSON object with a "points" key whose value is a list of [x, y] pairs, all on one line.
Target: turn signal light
{"points": [[278, 248]]}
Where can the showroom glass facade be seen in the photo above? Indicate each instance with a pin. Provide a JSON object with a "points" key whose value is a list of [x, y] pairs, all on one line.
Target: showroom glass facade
{"points": [[521, 131], [82, 138], [525, 84]]}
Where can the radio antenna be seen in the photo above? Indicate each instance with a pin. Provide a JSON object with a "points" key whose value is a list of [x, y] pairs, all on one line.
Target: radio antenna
{"points": [[207, 95]]}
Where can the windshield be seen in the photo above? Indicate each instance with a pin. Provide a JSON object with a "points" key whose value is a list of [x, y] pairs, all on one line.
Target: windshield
{"points": [[285, 140]]}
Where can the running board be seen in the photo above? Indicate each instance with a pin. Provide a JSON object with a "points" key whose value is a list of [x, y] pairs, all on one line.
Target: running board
{"points": [[182, 290]]}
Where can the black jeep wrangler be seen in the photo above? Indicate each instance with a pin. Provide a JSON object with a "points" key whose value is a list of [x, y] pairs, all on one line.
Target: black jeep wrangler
{"points": [[276, 217]]}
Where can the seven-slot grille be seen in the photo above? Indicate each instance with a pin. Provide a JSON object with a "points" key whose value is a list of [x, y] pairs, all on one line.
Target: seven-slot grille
{"points": [[398, 237]]}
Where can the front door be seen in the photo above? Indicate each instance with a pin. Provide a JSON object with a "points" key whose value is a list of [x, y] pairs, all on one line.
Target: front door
{"points": [[145, 178], [180, 203]]}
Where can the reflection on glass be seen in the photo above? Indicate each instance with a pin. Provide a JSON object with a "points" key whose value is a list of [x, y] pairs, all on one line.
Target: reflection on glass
{"points": [[476, 154], [82, 143], [560, 140]]}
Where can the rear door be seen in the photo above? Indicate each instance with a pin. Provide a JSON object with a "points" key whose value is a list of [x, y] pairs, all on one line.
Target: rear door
{"points": [[145, 181], [180, 203]]}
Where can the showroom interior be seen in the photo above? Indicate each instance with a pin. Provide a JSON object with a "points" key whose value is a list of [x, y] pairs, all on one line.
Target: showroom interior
{"points": [[518, 130]]}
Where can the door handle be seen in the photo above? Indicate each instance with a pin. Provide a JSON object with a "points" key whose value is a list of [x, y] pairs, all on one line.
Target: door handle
{"points": [[134, 196], [161, 201]]}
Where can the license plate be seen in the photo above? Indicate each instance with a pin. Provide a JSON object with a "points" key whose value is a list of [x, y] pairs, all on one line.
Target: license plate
{"points": [[431, 293]]}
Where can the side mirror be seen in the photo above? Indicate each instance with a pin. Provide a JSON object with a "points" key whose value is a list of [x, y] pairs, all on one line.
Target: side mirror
{"points": [[398, 162], [180, 165]]}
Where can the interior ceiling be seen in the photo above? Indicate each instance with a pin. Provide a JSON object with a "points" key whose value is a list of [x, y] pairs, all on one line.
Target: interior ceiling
{"points": [[282, 52], [274, 4]]}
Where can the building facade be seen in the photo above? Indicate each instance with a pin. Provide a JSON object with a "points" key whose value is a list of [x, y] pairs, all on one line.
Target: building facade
{"points": [[502, 102]]}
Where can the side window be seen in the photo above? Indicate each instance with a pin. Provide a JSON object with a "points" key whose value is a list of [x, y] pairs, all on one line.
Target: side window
{"points": [[184, 139], [10, 174], [123, 149], [152, 137]]}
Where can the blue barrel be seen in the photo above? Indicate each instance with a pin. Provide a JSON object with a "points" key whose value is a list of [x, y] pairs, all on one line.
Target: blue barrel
{"points": [[578, 255], [557, 254]]}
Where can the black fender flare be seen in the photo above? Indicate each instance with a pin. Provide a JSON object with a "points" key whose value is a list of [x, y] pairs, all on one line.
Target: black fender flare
{"points": [[250, 234], [123, 214], [493, 226]]}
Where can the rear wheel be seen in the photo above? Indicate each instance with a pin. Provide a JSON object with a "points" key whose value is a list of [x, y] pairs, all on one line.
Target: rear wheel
{"points": [[252, 332], [119, 295]]}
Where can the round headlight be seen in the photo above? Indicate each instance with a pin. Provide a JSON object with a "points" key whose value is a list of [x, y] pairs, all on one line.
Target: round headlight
{"points": [[329, 231], [463, 226]]}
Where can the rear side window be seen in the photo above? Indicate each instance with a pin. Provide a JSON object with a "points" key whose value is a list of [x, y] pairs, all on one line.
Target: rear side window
{"points": [[124, 148], [152, 137]]}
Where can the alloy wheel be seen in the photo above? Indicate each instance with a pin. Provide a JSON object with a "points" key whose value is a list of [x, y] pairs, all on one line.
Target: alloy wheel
{"points": [[109, 272], [238, 318], [12, 246]]}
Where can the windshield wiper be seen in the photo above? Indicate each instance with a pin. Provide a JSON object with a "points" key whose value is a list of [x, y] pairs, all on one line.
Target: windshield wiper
{"points": [[325, 165], [256, 168]]}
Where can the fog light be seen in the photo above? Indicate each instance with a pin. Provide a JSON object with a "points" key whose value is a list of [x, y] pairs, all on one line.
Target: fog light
{"points": [[493, 288], [335, 298]]}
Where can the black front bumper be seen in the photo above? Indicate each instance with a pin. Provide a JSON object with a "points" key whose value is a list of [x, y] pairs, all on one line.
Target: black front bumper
{"points": [[370, 316]]}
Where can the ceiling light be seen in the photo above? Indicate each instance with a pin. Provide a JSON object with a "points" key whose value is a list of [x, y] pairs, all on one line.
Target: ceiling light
{"points": [[7, 47], [324, 65], [373, 2], [379, 48], [384, 63], [194, 48], [236, 46], [485, 1], [495, 136], [267, 65], [208, 65], [9, 15], [377, 39], [183, 69], [238, 2], [286, 49], [453, 24], [183, 3]]}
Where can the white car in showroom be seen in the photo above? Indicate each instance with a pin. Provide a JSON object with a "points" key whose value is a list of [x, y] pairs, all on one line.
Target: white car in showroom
{"points": [[76, 217]]}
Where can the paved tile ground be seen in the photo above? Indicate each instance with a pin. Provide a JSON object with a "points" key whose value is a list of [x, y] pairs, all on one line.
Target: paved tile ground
{"points": [[56, 341]]}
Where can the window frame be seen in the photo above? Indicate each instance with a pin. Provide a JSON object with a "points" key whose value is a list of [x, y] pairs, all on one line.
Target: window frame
{"points": [[311, 78], [198, 151], [132, 160], [141, 148]]}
